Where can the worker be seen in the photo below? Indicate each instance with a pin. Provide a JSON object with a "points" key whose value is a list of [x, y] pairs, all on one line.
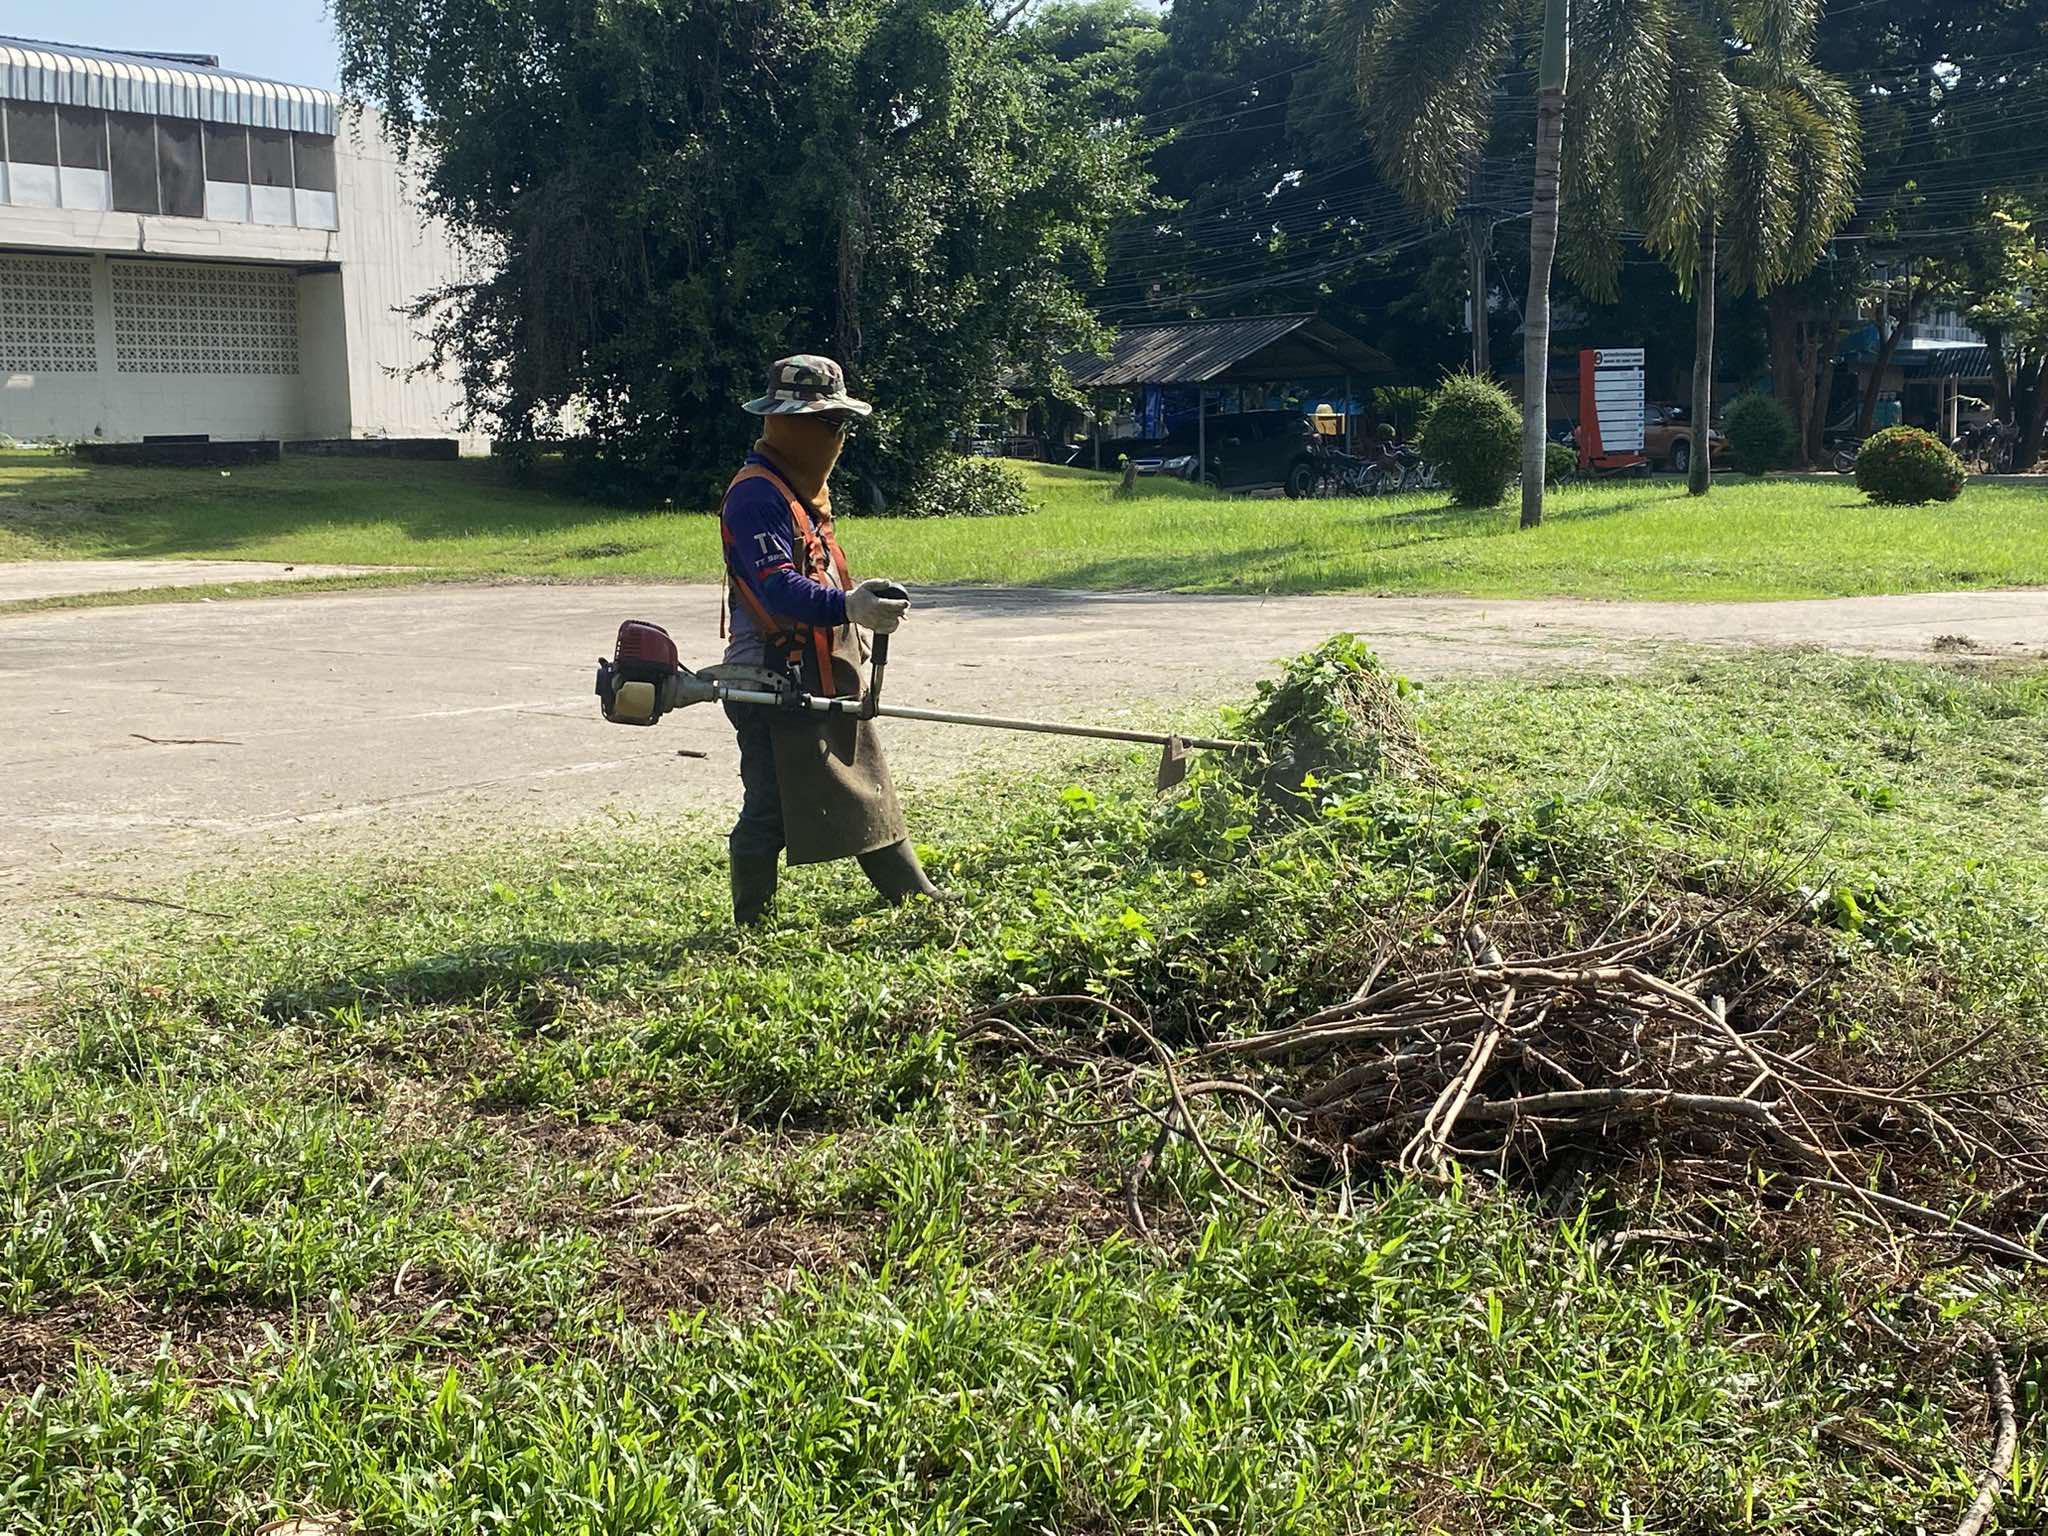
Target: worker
{"points": [[816, 786]]}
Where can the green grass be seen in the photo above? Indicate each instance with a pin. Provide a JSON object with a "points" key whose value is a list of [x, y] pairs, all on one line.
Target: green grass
{"points": [[514, 1192], [1635, 539]]}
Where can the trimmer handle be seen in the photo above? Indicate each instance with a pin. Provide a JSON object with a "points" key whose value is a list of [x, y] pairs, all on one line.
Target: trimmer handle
{"points": [[879, 660], [895, 591]]}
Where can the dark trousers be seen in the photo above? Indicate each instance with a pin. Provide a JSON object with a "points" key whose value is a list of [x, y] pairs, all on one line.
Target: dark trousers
{"points": [[758, 832]]}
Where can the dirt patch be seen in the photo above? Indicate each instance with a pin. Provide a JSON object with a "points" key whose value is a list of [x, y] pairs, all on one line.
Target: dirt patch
{"points": [[126, 1334], [21, 1029], [1073, 1214], [689, 1257]]}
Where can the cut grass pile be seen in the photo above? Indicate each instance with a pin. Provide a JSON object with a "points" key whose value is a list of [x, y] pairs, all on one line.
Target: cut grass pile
{"points": [[1637, 539], [520, 1194]]}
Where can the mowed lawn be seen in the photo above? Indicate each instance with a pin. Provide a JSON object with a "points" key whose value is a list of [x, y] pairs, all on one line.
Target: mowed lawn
{"points": [[1643, 539]]}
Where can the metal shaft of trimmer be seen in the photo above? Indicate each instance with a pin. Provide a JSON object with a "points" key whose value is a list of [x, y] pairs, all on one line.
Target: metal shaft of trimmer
{"points": [[871, 706], [862, 708]]}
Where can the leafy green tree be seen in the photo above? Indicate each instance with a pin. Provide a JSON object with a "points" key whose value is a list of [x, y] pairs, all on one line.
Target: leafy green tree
{"points": [[1099, 53], [1253, 149], [2009, 275], [1699, 117], [1806, 320], [660, 196], [1942, 85], [1898, 293]]}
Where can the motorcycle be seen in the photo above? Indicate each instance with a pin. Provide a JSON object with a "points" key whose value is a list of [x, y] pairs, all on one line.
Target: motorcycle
{"points": [[1417, 473], [1343, 474]]}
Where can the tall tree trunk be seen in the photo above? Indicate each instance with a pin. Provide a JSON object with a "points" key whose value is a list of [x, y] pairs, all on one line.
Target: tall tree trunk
{"points": [[2001, 374], [1542, 253], [1791, 326], [1866, 415], [1699, 477], [853, 241], [1887, 348], [2030, 411], [1826, 345], [1478, 282]]}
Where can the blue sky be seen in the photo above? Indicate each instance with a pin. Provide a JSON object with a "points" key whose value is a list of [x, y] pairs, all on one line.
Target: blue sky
{"points": [[289, 40]]}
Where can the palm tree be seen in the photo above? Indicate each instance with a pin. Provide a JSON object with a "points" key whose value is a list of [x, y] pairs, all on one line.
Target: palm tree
{"points": [[1723, 123], [1682, 116], [1426, 73]]}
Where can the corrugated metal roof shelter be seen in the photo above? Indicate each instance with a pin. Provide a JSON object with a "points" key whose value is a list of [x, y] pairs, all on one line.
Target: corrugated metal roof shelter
{"points": [[1258, 349], [1963, 362], [158, 85]]}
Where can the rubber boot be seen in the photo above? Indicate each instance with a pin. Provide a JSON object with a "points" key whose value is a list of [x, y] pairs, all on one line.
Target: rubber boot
{"points": [[895, 872], [753, 888]]}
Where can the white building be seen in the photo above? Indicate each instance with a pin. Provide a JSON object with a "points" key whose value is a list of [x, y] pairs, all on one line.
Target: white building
{"points": [[188, 251]]}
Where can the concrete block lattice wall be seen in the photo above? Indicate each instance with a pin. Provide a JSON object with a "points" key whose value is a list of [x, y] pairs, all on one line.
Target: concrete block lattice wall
{"points": [[126, 349]]}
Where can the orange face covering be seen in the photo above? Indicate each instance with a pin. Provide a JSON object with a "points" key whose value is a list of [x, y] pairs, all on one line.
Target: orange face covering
{"points": [[804, 448]]}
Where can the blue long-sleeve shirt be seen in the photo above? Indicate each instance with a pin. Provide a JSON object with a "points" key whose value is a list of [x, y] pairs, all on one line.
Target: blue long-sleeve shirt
{"points": [[761, 553]]}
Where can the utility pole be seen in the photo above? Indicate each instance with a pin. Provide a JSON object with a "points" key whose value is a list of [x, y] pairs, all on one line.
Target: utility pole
{"points": [[1477, 232], [1551, 79]]}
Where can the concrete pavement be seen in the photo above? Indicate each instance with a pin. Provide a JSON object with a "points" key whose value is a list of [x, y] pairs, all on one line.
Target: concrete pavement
{"points": [[31, 580], [193, 735]]}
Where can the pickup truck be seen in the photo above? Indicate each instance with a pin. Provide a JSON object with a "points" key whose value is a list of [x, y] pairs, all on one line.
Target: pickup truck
{"points": [[1667, 438]]}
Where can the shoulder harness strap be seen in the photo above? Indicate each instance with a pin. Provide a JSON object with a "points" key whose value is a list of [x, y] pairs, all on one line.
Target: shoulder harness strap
{"points": [[818, 546]]}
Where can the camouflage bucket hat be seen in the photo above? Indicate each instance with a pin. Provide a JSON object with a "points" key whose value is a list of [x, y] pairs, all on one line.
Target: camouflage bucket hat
{"points": [[806, 385]]}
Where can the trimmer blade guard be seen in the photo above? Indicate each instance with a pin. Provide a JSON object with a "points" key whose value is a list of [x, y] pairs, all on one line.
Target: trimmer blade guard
{"points": [[1173, 764]]}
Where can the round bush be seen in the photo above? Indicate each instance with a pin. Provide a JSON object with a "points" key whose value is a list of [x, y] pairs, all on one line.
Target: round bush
{"points": [[1559, 463], [1760, 433], [1472, 433], [1904, 466], [955, 485]]}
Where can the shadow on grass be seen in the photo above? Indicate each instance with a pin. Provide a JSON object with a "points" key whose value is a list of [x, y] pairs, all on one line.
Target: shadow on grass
{"points": [[130, 513], [513, 973]]}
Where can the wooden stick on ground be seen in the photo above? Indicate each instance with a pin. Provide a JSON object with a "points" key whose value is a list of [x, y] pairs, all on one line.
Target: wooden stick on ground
{"points": [[2000, 1245], [1999, 1387]]}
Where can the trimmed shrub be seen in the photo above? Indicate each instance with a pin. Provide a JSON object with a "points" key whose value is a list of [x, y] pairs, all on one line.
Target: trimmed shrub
{"points": [[1904, 467], [1760, 432], [956, 485], [1559, 463], [1472, 433]]}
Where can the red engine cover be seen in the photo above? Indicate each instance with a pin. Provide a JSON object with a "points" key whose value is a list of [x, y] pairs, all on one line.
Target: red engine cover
{"points": [[645, 643]]}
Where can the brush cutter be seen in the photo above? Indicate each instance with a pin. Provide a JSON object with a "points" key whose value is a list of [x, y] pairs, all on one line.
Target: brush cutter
{"points": [[644, 680]]}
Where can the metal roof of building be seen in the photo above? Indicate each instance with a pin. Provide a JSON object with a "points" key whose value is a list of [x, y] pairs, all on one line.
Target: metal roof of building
{"points": [[1255, 349], [161, 84], [1966, 360]]}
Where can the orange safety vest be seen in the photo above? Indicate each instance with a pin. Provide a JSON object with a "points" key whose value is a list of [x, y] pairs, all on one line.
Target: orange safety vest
{"points": [[822, 561]]}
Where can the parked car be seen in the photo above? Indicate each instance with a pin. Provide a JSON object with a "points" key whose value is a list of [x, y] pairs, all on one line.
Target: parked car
{"points": [[1667, 438], [1248, 451]]}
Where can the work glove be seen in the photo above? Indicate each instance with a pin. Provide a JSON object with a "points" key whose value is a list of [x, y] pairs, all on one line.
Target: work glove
{"points": [[876, 605]]}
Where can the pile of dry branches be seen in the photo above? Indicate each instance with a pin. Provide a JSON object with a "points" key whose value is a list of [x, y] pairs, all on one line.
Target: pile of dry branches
{"points": [[1688, 1059], [1674, 1053]]}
